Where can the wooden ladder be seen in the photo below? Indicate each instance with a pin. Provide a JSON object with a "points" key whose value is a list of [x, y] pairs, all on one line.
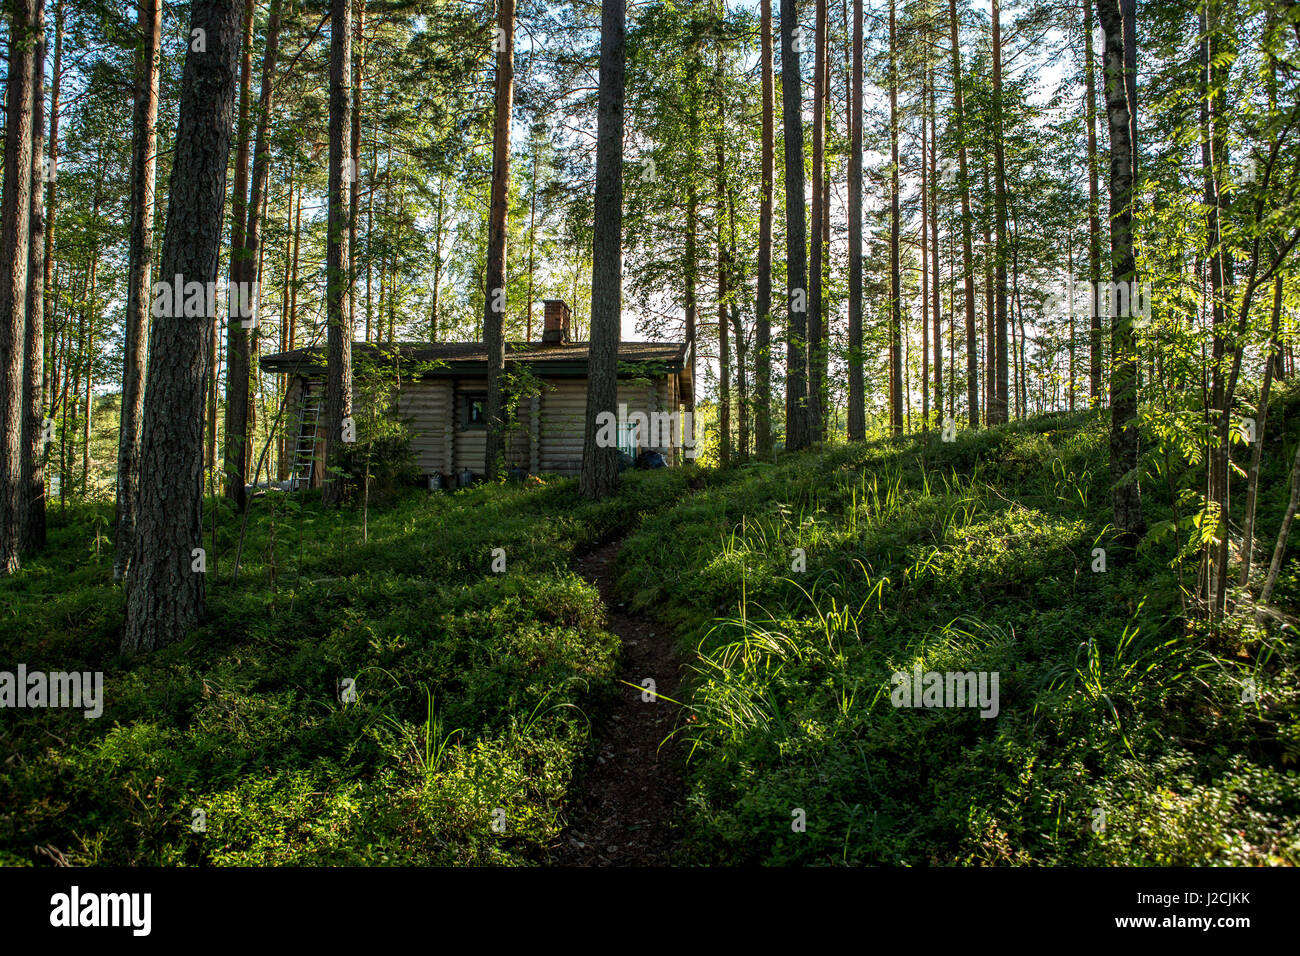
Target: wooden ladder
{"points": [[304, 453]]}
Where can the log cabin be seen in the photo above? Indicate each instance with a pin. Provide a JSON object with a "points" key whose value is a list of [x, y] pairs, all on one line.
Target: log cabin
{"points": [[443, 397]]}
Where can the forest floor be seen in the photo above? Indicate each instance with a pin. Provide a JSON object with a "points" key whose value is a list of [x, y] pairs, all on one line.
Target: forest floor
{"points": [[626, 804]]}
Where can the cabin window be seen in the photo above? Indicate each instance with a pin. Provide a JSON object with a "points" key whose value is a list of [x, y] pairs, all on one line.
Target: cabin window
{"points": [[476, 411]]}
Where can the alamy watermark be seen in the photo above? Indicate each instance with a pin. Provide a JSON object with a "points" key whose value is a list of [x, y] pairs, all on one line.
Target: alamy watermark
{"points": [[129, 910], [23, 688], [1130, 300], [951, 689], [650, 429], [175, 298]]}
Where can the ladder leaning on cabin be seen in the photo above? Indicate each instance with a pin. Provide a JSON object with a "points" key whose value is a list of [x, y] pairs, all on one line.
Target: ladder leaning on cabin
{"points": [[304, 454]]}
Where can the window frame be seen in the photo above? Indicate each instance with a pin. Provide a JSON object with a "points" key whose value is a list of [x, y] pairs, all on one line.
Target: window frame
{"points": [[466, 424]]}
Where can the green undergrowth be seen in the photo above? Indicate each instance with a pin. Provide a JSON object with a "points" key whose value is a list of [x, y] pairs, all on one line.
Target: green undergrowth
{"points": [[472, 687], [1126, 730], [1124, 734]]}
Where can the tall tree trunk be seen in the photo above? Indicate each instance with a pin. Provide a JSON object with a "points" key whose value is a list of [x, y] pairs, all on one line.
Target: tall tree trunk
{"points": [[763, 318], [990, 310], [738, 332], [293, 280], [967, 246], [144, 161], [494, 315], [237, 351], [532, 238], [1125, 494], [1069, 304], [724, 354], [816, 216], [724, 269], [15, 233], [895, 265], [1261, 418], [600, 459], [1214, 155], [354, 152], [1095, 388], [689, 270], [1001, 406], [857, 422], [924, 243], [32, 518], [165, 594], [724, 295], [338, 269], [796, 384], [282, 442], [51, 176], [251, 268], [88, 396], [1128, 10], [934, 257], [435, 317]]}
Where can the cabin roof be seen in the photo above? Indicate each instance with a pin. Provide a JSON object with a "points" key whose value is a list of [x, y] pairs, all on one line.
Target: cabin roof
{"points": [[469, 358]]}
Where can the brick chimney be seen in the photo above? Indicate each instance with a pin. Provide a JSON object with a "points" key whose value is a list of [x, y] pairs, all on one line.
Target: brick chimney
{"points": [[555, 329]]}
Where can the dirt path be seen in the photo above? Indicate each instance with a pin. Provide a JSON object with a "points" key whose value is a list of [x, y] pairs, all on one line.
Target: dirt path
{"points": [[625, 803]]}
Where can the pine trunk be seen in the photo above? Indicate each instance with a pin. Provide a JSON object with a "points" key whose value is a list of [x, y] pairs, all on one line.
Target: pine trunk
{"points": [[32, 518], [600, 459], [338, 268], [895, 264], [165, 594], [144, 161], [857, 423], [796, 395], [763, 317], [1125, 494], [1096, 393], [15, 234], [494, 315]]}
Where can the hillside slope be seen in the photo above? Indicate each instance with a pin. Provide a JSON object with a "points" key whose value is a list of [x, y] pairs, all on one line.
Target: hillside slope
{"points": [[1120, 735]]}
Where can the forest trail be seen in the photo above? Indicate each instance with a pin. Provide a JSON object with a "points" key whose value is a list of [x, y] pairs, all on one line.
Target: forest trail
{"points": [[625, 803]]}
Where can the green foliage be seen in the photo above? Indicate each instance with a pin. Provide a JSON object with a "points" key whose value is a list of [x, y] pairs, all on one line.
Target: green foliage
{"points": [[472, 688], [974, 555]]}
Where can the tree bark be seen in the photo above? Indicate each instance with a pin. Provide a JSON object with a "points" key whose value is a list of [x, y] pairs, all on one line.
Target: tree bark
{"points": [[895, 265], [234, 456], [738, 332], [763, 318], [1261, 418], [354, 198], [967, 246], [338, 268], [924, 243], [796, 394], [724, 295], [1095, 387], [934, 257], [857, 422], [816, 216], [15, 234], [251, 269], [32, 519], [144, 159], [1000, 410], [165, 595], [600, 460], [1125, 493], [494, 314]]}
